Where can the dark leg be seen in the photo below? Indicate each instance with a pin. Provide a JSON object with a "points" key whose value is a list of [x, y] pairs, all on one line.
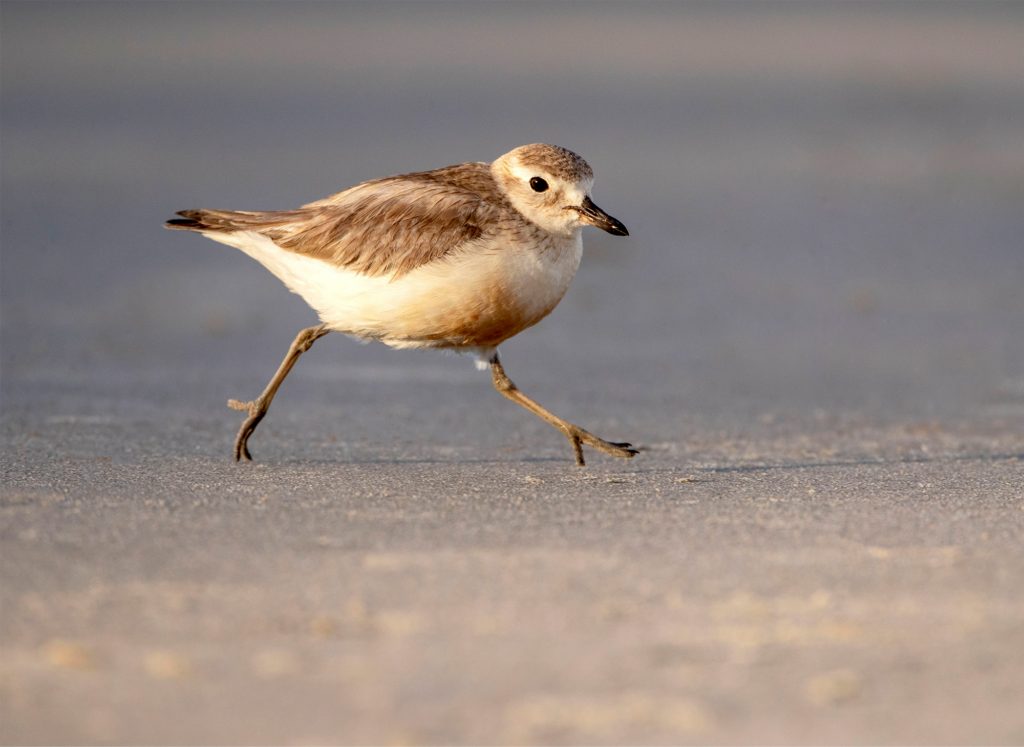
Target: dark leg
{"points": [[258, 407], [576, 435]]}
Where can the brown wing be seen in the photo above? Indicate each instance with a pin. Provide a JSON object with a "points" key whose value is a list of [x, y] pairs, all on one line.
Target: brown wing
{"points": [[383, 227], [391, 226]]}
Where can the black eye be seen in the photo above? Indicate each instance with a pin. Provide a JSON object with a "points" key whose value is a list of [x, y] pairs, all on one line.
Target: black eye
{"points": [[538, 185]]}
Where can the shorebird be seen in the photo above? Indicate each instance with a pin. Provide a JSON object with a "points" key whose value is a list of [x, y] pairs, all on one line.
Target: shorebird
{"points": [[460, 258]]}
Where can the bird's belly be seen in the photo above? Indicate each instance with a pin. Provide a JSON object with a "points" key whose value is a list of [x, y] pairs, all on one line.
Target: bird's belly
{"points": [[475, 298], [480, 299]]}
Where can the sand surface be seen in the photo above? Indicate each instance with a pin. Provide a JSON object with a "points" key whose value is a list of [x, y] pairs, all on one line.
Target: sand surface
{"points": [[814, 332]]}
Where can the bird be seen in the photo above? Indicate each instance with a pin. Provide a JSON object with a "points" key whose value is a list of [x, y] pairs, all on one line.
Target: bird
{"points": [[460, 258]]}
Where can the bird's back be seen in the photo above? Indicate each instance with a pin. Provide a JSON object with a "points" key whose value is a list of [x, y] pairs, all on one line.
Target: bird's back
{"points": [[386, 226]]}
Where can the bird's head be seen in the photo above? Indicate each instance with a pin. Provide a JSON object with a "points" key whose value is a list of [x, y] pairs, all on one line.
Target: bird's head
{"points": [[550, 187]]}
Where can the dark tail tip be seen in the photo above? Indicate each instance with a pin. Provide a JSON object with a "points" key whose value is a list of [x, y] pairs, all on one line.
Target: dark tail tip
{"points": [[191, 220]]}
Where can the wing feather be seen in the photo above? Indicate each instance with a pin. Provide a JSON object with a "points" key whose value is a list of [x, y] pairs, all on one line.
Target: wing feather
{"points": [[387, 226], [391, 226]]}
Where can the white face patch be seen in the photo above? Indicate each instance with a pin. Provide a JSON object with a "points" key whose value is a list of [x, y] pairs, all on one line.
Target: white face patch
{"points": [[554, 216], [574, 193]]}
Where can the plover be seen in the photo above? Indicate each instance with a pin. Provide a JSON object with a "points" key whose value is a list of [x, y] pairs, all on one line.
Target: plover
{"points": [[460, 258]]}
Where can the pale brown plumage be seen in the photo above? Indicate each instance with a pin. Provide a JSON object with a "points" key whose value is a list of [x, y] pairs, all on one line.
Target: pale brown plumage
{"points": [[393, 225], [560, 161], [386, 226]]}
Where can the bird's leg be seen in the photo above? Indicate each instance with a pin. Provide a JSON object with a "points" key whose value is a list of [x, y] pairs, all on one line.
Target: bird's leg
{"points": [[576, 435], [258, 407]]}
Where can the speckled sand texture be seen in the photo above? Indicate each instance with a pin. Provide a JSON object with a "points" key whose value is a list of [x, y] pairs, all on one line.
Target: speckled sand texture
{"points": [[814, 330]]}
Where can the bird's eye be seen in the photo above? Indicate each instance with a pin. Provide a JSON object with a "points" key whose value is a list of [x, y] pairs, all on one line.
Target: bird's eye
{"points": [[538, 185]]}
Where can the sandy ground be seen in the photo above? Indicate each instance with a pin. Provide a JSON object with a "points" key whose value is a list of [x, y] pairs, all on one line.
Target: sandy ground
{"points": [[814, 332]]}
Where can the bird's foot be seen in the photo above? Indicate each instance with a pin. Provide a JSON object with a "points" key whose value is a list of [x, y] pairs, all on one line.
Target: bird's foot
{"points": [[577, 437], [256, 408]]}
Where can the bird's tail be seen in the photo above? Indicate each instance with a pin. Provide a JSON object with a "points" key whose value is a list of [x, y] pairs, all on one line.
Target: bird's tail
{"points": [[196, 220], [212, 221]]}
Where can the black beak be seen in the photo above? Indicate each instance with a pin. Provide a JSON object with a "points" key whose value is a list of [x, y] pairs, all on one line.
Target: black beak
{"points": [[595, 216]]}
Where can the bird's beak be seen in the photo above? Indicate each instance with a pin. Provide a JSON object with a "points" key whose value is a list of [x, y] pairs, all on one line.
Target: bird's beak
{"points": [[595, 216]]}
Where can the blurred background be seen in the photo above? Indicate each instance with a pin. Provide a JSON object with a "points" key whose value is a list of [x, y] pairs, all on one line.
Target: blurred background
{"points": [[824, 275], [824, 199]]}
